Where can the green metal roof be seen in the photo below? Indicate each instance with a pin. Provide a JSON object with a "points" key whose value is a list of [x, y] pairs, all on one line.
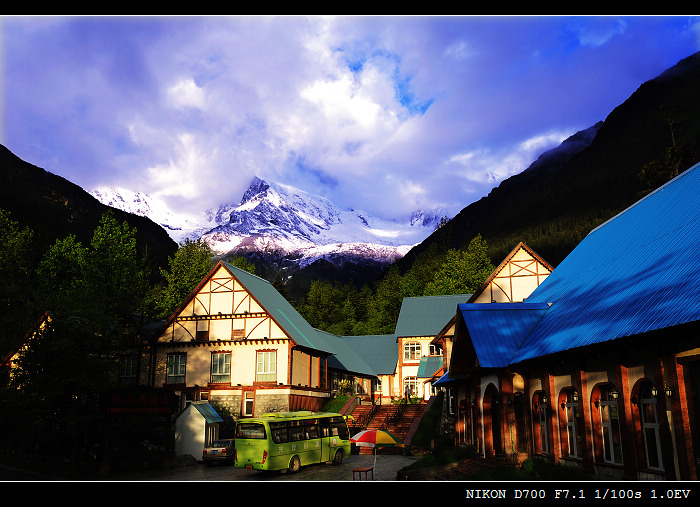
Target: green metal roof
{"points": [[427, 315], [281, 310], [428, 366], [366, 355], [379, 352]]}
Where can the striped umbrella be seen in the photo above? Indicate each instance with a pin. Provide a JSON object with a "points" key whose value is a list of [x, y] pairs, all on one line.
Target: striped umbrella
{"points": [[376, 438]]}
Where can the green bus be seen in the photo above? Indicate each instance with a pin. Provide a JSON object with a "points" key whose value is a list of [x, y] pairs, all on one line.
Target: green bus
{"points": [[290, 440]]}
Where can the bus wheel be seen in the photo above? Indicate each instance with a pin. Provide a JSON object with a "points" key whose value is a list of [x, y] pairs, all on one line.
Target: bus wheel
{"points": [[294, 465], [338, 458]]}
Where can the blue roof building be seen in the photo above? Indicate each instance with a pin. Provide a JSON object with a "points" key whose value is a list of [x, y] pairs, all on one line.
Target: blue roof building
{"points": [[614, 325]]}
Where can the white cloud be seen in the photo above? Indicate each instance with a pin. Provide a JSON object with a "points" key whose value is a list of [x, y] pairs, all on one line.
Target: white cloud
{"points": [[185, 93]]}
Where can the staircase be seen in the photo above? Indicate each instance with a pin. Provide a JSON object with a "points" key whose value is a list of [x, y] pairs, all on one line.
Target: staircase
{"points": [[385, 418]]}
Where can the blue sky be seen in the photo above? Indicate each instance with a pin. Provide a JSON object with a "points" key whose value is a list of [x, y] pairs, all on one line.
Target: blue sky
{"points": [[384, 114]]}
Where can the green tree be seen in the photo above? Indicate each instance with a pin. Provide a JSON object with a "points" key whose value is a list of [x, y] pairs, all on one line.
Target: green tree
{"points": [[58, 274], [462, 272], [113, 285], [187, 267], [16, 294], [241, 262]]}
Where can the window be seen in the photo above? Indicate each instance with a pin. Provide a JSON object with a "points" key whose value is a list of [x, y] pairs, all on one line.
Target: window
{"points": [[435, 350], [411, 350], [266, 370], [221, 367], [572, 419], [541, 429], [176, 369], [248, 404], [412, 384], [650, 429], [128, 369], [610, 428], [251, 430]]}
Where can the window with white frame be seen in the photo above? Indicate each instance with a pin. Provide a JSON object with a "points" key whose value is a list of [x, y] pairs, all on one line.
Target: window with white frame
{"points": [[176, 368], [266, 369], [650, 429], [411, 350], [221, 367], [571, 414], [610, 428], [248, 404], [542, 424], [412, 384]]}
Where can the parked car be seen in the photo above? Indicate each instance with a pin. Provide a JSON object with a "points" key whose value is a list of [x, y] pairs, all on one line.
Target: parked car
{"points": [[219, 451]]}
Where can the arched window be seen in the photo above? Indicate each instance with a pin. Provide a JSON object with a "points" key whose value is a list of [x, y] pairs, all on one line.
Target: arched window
{"points": [[540, 422], [571, 432], [610, 427], [412, 384], [650, 427]]}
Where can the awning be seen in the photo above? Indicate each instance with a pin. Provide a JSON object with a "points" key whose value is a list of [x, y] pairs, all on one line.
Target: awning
{"points": [[443, 380]]}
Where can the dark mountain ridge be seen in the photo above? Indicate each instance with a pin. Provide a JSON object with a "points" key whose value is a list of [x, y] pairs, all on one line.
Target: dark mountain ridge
{"points": [[53, 208], [553, 204]]}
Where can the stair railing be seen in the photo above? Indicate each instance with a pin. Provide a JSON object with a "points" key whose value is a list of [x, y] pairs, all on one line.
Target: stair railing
{"points": [[393, 418], [363, 420]]}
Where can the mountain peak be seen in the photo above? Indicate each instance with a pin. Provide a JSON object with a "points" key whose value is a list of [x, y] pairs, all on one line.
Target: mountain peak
{"points": [[257, 186]]}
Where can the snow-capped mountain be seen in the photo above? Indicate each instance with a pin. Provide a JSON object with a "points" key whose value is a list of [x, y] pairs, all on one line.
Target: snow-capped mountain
{"points": [[283, 220], [286, 222], [177, 226]]}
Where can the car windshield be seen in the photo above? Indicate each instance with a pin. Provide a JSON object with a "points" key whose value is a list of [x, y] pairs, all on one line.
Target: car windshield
{"points": [[220, 443]]}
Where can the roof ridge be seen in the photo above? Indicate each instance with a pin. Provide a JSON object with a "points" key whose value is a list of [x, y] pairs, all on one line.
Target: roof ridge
{"points": [[653, 192]]}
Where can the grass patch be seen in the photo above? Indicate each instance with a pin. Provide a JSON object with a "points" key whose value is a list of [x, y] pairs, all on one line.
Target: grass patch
{"points": [[427, 431], [335, 404]]}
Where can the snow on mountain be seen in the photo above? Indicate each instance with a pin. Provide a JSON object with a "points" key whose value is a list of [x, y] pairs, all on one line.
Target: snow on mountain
{"points": [[177, 226], [284, 221]]}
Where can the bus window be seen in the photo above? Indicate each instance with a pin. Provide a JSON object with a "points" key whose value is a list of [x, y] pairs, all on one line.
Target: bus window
{"points": [[324, 425], [279, 432], [339, 428], [250, 430], [312, 429], [296, 431]]}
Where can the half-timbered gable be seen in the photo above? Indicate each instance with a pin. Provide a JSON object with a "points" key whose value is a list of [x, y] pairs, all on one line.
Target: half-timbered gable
{"points": [[520, 273], [235, 340]]}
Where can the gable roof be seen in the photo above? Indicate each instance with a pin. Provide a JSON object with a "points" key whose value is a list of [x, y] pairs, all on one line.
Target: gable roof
{"points": [[364, 355], [427, 315], [208, 411], [280, 309], [520, 246], [637, 272]]}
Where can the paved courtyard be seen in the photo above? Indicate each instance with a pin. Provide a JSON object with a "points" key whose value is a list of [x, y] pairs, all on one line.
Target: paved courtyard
{"points": [[384, 470]]}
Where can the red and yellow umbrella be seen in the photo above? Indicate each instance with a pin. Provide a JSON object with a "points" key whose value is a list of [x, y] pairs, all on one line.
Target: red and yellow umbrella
{"points": [[376, 438]]}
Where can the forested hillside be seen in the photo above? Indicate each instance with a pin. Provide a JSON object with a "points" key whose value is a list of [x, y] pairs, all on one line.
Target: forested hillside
{"points": [[643, 143]]}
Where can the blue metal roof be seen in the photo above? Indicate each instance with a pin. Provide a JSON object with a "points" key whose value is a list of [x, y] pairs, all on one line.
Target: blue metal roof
{"points": [[497, 330], [636, 273], [207, 411]]}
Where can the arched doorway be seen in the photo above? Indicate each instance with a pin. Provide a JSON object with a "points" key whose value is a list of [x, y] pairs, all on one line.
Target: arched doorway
{"points": [[492, 421]]}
